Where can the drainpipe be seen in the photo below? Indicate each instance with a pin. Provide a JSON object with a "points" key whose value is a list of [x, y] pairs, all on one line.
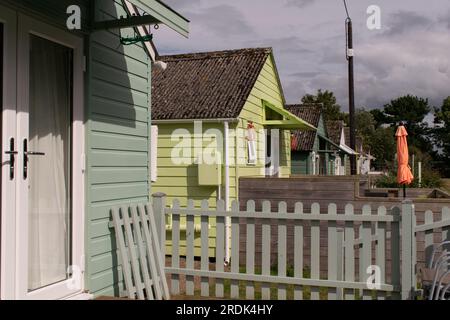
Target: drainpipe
{"points": [[227, 190]]}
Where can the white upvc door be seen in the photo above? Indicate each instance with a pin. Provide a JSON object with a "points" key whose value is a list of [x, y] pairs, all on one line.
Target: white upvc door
{"points": [[46, 210], [9, 169]]}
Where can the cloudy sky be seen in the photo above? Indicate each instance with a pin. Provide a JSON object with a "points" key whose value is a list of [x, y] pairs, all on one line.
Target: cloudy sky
{"points": [[409, 54]]}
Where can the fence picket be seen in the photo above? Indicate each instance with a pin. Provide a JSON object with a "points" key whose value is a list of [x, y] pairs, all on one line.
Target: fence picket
{"points": [[142, 254], [133, 255], [250, 251], [157, 249], [380, 250], [446, 230], [190, 235], [175, 287], [408, 277], [429, 236], [395, 252], [151, 247], [366, 251], [220, 248], [340, 262], [265, 258], [115, 212], [349, 252], [315, 250], [204, 286], [332, 251], [298, 251], [282, 233], [234, 287]]}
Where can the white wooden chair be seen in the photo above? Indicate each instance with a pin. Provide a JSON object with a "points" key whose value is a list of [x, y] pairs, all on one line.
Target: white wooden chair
{"points": [[436, 276]]}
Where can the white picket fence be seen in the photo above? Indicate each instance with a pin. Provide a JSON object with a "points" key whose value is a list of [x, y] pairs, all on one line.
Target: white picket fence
{"points": [[378, 240], [349, 234]]}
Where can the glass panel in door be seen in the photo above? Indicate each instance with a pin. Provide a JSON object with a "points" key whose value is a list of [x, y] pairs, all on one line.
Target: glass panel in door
{"points": [[1, 135], [47, 163]]}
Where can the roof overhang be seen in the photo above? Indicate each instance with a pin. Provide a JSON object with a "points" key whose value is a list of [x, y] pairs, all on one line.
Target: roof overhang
{"points": [[332, 143], [157, 13], [289, 121], [347, 149]]}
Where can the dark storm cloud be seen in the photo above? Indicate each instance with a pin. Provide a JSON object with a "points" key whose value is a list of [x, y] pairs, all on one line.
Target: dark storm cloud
{"points": [[410, 54], [445, 19]]}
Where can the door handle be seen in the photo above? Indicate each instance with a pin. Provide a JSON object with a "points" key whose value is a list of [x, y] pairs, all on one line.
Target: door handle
{"points": [[33, 153], [12, 158], [26, 154]]}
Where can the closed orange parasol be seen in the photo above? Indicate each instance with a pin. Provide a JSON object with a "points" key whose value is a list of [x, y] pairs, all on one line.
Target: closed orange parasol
{"points": [[404, 175]]}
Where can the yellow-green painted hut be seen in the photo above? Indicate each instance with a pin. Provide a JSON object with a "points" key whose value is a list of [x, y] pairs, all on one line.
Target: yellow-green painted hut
{"points": [[219, 116]]}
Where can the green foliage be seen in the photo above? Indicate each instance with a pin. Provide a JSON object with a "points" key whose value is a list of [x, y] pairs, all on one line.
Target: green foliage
{"points": [[387, 181], [430, 179], [409, 109], [412, 111], [441, 135], [377, 128], [383, 147], [379, 117], [332, 110]]}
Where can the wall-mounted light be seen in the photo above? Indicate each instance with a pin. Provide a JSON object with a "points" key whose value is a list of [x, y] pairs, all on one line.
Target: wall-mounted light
{"points": [[161, 65]]}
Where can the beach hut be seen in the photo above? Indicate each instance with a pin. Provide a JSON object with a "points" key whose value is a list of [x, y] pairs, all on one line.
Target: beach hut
{"points": [[220, 116], [75, 138]]}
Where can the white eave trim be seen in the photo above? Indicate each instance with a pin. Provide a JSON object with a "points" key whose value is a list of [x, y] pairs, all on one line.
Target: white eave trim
{"points": [[217, 120], [164, 14], [348, 149]]}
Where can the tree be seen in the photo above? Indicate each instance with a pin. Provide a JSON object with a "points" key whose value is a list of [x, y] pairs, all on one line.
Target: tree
{"points": [[441, 135], [365, 124], [379, 117], [412, 111], [332, 111], [382, 146]]}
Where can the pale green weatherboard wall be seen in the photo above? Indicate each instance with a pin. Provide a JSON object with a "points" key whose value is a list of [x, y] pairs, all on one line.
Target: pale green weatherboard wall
{"points": [[181, 182], [118, 143], [117, 99], [301, 160]]}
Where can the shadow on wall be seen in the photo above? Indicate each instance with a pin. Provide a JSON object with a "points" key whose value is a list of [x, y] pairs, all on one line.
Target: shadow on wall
{"points": [[118, 109]]}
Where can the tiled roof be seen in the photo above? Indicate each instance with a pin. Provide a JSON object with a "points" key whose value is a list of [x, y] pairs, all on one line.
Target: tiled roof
{"points": [[360, 148], [304, 140], [334, 130], [208, 85]]}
